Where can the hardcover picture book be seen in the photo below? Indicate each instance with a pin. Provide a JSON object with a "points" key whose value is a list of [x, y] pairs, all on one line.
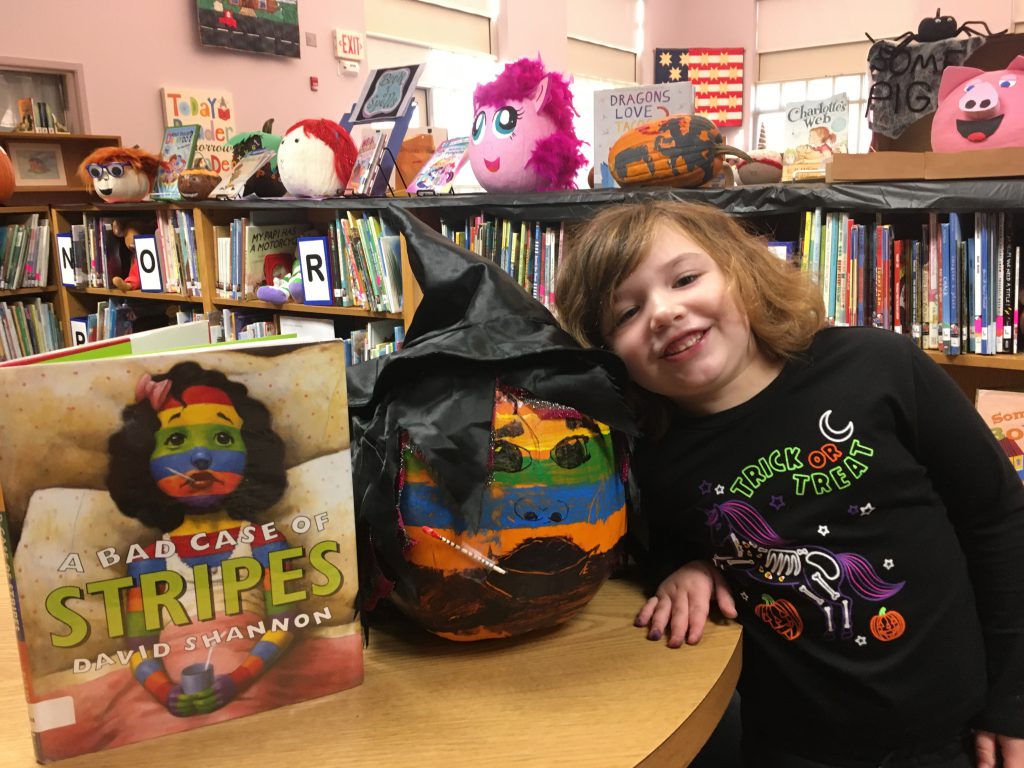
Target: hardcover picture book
{"points": [[367, 164], [232, 185], [440, 171], [1003, 411], [176, 153], [191, 556], [813, 132], [269, 253]]}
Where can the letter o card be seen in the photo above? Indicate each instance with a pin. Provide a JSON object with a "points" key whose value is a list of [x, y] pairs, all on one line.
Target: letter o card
{"points": [[149, 263], [316, 270]]}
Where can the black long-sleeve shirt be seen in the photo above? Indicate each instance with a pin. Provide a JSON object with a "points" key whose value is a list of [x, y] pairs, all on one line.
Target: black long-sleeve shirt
{"points": [[872, 532]]}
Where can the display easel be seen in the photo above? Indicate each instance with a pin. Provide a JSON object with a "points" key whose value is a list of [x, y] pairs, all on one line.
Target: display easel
{"points": [[386, 164]]}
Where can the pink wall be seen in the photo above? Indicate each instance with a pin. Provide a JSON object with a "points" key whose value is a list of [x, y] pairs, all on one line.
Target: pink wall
{"points": [[518, 34], [130, 50]]}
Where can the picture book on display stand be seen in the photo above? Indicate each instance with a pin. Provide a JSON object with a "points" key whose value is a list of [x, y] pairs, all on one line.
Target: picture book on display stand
{"points": [[438, 175], [387, 96], [191, 557]]}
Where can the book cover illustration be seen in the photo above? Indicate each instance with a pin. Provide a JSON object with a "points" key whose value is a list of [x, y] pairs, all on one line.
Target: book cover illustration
{"points": [[364, 172], [270, 251], [439, 173], [1003, 411], [176, 153], [213, 111], [191, 558], [618, 110], [232, 185], [813, 132]]}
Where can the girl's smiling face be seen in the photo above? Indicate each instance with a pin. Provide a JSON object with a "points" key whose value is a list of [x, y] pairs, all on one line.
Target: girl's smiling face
{"points": [[676, 325], [200, 456]]}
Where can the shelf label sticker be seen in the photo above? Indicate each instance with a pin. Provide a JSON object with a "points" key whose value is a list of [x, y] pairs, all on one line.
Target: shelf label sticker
{"points": [[79, 331], [66, 254], [316, 270], [149, 264]]}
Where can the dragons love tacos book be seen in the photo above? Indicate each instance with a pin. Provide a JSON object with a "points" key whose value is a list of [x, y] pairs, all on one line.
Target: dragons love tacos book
{"points": [[180, 541]]}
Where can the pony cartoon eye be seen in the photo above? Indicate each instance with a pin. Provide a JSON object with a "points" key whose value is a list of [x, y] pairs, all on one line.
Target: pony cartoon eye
{"points": [[478, 126], [571, 452], [509, 457], [505, 120], [1007, 82]]}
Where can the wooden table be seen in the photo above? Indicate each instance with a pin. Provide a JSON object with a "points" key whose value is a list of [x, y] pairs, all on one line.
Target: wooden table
{"points": [[591, 693]]}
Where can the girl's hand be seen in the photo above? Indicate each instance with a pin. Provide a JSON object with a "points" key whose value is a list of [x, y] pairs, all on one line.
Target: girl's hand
{"points": [[988, 745], [682, 603]]}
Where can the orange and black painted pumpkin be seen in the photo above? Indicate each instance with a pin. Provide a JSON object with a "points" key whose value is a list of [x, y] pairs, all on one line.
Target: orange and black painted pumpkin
{"points": [[887, 625], [780, 615], [676, 151], [6, 177]]}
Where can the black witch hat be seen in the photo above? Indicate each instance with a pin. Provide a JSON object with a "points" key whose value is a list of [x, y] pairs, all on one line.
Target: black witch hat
{"points": [[474, 327]]}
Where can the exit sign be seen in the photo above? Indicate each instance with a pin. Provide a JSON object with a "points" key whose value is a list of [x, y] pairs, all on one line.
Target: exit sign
{"points": [[349, 44]]}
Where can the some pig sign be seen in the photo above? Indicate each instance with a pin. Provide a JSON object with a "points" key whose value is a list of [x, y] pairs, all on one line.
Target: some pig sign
{"points": [[979, 109]]}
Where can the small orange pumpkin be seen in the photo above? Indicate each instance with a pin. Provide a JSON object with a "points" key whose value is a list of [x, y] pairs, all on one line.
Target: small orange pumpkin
{"points": [[888, 625], [780, 615], [6, 177], [676, 151]]}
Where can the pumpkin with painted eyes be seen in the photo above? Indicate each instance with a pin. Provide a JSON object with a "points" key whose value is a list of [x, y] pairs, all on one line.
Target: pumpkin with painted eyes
{"points": [[552, 515]]}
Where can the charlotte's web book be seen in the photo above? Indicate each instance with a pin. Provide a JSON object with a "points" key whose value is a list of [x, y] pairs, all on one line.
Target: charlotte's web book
{"points": [[440, 171], [621, 109], [190, 558], [813, 132]]}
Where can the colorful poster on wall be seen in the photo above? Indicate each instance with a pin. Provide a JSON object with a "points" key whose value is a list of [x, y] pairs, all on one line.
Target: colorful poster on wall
{"points": [[717, 77], [257, 26], [213, 111]]}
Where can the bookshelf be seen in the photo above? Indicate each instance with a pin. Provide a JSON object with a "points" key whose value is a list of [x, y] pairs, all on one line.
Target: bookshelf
{"points": [[776, 211], [68, 149]]}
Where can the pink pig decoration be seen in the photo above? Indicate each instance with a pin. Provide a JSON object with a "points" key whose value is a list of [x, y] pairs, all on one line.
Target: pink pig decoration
{"points": [[979, 109], [523, 135]]}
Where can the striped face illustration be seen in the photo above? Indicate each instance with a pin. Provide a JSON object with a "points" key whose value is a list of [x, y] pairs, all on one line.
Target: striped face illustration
{"points": [[199, 456]]}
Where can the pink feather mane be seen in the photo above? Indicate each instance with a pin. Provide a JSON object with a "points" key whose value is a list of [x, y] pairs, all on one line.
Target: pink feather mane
{"points": [[556, 157]]}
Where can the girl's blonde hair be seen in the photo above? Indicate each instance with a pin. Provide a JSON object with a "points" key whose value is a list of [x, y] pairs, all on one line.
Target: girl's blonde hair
{"points": [[785, 309]]}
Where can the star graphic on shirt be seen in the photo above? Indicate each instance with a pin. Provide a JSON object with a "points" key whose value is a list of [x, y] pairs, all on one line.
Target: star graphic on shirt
{"points": [[888, 564], [866, 510], [745, 596], [675, 74], [665, 59], [823, 530], [861, 640], [776, 503], [852, 510], [719, 489], [705, 488]]}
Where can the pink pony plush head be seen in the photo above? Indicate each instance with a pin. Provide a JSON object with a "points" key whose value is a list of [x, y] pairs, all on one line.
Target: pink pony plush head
{"points": [[523, 136]]}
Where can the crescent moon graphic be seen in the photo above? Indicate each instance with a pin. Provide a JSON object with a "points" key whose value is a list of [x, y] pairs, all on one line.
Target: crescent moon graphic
{"points": [[830, 434]]}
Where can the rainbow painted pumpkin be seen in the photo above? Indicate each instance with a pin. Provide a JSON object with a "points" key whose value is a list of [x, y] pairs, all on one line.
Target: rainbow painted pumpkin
{"points": [[676, 151], [552, 517]]}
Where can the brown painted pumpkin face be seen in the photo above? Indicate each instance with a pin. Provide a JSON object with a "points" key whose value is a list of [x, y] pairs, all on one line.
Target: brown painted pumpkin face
{"points": [[888, 625], [780, 615]]}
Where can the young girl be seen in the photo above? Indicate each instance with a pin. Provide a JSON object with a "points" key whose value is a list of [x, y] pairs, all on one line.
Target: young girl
{"points": [[831, 487]]}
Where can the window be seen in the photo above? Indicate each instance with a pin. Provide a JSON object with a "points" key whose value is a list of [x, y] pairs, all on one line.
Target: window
{"points": [[770, 100]]}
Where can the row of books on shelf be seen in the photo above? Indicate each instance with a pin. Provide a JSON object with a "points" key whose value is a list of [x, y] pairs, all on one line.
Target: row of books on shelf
{"points": [[24, 252], [28, 328], [951, 283], [528, 251], [38, 117], [364, 259], [99, 253]]}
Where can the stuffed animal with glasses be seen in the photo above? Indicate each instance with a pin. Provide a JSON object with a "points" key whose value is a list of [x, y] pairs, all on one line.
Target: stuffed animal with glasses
{"points": [[119, 174]]}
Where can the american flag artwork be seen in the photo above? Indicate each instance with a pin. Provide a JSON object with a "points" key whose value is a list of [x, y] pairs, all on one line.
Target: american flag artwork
{"points": [[717, 77]]}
